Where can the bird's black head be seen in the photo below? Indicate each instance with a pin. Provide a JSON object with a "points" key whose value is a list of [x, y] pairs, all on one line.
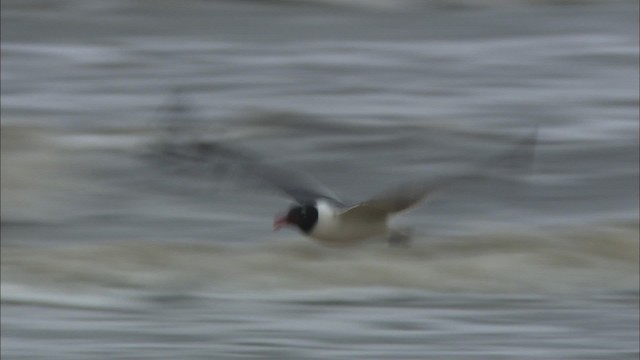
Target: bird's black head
{"points": [[303, 216]]}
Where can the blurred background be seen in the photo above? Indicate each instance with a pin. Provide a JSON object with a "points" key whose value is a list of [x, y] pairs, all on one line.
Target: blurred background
{"points": [[109, 254]]}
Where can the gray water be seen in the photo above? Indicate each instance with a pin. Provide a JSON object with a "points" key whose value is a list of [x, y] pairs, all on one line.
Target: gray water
{"points": [[108, 255]]}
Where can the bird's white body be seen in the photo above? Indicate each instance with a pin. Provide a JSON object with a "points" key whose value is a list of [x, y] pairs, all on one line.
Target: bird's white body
{"points": [[337, 227]]}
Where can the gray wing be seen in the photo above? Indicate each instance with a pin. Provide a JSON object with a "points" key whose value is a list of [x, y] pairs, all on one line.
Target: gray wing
{"points": [[226, 160], [402, 198], [181, 148], [408, 195], [299, 186]]}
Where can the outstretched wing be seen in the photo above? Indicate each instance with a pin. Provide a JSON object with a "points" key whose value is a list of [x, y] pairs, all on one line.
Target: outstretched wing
{"points": [[299, 186], [408, 195], [181, 147], [401, 198], [222, 159]]}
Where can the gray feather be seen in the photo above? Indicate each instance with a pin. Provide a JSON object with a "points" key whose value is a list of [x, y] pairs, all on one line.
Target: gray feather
{"points": [[408, 195]]}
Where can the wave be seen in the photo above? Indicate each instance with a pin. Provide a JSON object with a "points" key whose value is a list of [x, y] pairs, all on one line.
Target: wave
{"points": [[370, 5], [584, 260], [395, 5]]}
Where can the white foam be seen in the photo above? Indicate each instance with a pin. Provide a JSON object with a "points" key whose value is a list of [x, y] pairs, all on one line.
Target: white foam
{"points": [[588, 260], [98, 298]]}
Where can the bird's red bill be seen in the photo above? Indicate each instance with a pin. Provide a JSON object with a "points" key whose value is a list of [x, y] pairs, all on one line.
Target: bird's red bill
{"points": [[279, 222]]}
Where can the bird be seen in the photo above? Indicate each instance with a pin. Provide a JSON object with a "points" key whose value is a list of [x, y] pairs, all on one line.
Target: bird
{"points": [[317, 211], [323, 217]]}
